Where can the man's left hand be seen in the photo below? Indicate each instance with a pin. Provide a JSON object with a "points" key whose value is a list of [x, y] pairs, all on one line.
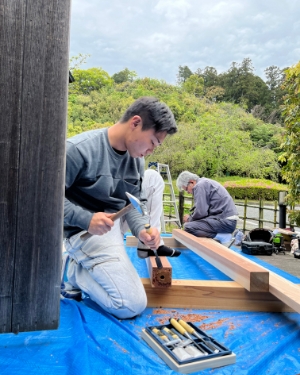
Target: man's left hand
{"points": [[152, 240]]}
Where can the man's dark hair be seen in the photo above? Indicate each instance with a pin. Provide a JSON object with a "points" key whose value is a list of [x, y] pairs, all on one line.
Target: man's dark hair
{"points": [[154, 114]]}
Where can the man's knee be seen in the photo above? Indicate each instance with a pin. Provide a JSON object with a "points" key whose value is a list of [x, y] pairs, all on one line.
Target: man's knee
{"points": [[130, 307], [188, 228], [197, 231]]}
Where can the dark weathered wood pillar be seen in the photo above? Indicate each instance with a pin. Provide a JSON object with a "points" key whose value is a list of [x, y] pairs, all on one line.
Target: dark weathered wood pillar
{"points": [[34, 52]]}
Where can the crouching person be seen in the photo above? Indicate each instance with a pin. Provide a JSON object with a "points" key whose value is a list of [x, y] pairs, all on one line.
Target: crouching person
{"points": [[101, 166], [214, 210]]}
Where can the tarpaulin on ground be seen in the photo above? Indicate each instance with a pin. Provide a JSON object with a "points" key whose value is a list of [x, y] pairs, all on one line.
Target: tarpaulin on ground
{"points": [[90, 342]]}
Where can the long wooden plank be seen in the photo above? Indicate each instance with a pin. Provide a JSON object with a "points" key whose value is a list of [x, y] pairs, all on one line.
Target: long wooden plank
{"points": [[252, 277], [286, 291], [283, 289], [132, 241], [212, 295]]}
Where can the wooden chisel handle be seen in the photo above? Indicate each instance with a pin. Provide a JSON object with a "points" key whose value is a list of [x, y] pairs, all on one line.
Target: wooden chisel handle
{"points": [[114, 217], [157, 259], [177, 326], [186, 326]]}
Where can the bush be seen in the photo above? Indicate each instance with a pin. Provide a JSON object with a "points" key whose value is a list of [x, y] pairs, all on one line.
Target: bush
{"points": [[254, 189]]}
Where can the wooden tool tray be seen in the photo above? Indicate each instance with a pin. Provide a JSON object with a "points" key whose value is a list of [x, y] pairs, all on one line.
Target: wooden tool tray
{"points": [[223, 357]]}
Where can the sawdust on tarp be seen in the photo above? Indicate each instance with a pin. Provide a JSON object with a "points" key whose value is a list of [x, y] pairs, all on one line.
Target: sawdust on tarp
{"points": [[213, 325], [176, 315], [192, 318]]}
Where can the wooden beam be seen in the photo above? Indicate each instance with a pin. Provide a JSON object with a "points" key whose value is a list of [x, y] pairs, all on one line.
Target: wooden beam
{"points": [[286, 291], [159, 277], [132, 241], [212, 295], [279, 287], [252, 277]]}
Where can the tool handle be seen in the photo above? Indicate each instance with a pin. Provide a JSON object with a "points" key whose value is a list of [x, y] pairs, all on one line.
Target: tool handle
{"points": [[186, 326], [177, 326], [148, 228], [157, 259], [171, 333], [122, 212], [160, 334], [114, 217]]}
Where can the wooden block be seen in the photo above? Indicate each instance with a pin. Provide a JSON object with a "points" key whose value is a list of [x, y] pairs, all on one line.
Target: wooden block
{"points": [[212, 295], [188, 367], [168, 241], [251, 276], [159, 277]]}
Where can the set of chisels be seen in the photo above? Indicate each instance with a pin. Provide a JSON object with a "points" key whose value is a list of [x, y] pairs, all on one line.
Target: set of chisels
{"points": [[183, 346]]}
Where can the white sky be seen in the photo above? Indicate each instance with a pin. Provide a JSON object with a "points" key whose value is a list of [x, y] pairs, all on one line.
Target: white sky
{"points": [[154, 37]]}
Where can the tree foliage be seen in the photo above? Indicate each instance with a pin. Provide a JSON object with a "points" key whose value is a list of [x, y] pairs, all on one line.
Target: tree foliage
{"points": [[291, 145], [89, 80], [214, 138], [184, 72], [194, 85], [241, 86], [124, 75]]}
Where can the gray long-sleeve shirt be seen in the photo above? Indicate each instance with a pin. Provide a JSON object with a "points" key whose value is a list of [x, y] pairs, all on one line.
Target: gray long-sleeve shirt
{"points": [[97, 178], [211, 199]]}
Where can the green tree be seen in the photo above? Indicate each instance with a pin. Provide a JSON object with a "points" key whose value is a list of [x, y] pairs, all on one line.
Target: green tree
{"points": [[89, 80], [184, 72], [291, 145], [242, 86], [124, 75], [209, 75], [194, 85]]}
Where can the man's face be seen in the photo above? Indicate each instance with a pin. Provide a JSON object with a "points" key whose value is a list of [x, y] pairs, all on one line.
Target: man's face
{"points": [[190, 186], [142, 143]]}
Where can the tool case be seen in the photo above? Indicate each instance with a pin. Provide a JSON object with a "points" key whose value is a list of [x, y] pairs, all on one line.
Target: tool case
{"points": [[256, 248], [211, 360]]}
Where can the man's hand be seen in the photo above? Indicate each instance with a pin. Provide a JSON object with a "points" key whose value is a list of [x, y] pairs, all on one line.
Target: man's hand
{"points": [[100, 223], [152, 240], [186, 218]]}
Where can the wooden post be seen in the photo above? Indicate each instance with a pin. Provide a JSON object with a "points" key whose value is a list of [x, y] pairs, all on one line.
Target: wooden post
{"points": [[261, 213], [34, 53], [245, 215], [181, 206]]}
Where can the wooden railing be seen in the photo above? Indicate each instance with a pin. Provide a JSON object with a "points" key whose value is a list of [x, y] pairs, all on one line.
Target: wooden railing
{"points": [[258, 213]]}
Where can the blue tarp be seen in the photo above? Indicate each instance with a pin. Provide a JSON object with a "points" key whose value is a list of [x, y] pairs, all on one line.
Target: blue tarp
{"points": [[90, 342]]}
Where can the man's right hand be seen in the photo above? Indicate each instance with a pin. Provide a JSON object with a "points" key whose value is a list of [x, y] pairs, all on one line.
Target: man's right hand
{"points": [[186, 218], [100, 223]]}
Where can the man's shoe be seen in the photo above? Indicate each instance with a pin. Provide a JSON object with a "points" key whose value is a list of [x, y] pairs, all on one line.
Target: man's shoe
{"points": [[66, 289], [163, 251]]}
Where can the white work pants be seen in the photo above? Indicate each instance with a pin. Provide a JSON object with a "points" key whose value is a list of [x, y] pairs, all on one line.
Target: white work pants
{"points": [[101, 267]]}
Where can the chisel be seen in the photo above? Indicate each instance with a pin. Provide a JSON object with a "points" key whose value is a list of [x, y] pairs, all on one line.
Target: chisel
{"points": [[174, 336], [193, 332], [158, 261], [184, 332], [160, 334], [167, 341]]}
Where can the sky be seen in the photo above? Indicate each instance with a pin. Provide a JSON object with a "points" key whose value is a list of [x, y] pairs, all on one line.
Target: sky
{"points": [[154, 37]]}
